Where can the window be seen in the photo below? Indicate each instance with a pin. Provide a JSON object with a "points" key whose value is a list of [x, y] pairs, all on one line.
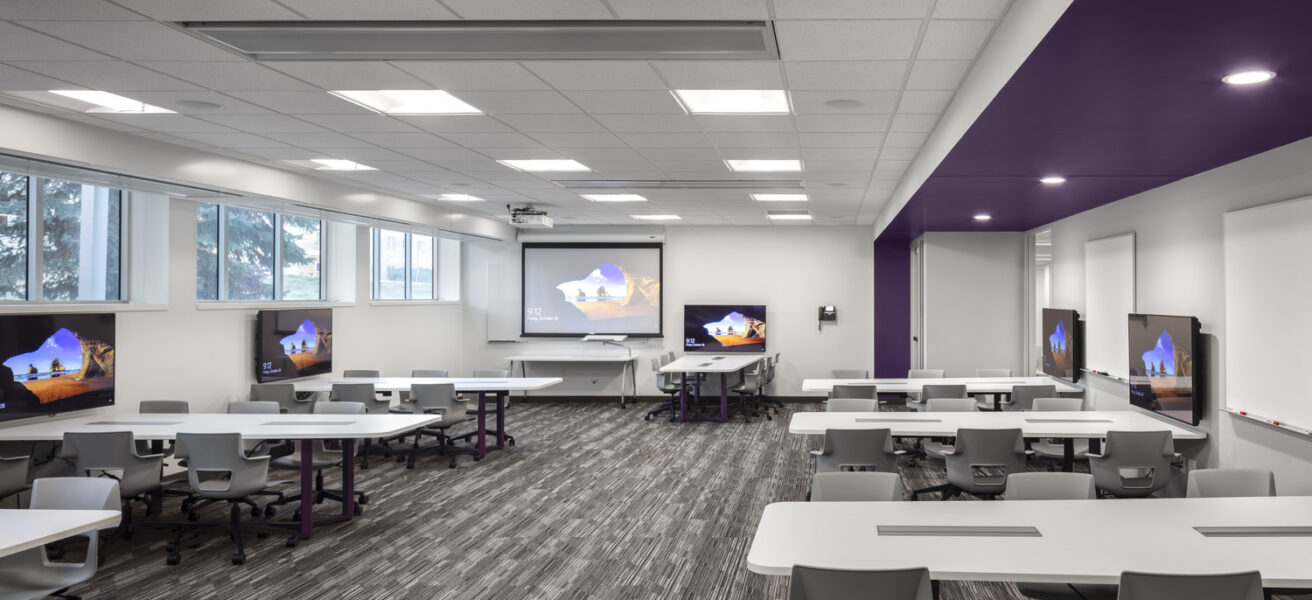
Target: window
{"points": [[250, 255], [405, 266], [78, 235]]}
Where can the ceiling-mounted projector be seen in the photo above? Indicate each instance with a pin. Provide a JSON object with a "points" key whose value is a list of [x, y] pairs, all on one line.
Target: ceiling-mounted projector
{"points": [[529, 218]]}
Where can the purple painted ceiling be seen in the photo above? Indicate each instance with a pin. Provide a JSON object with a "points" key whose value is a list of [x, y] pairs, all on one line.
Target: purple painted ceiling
{"points": [[1120, 97]]}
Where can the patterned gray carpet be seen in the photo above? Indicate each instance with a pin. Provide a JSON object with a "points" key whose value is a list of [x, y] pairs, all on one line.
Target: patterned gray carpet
{"points": [[593, 502]]}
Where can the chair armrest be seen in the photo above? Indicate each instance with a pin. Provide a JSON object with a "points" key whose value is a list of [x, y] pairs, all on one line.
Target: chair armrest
{"points": [[817, 453], [1092, 455], [899, 452]]}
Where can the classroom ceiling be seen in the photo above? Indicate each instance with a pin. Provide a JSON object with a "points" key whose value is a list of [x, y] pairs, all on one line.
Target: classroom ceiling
{"points": [[901, 61], [1120, 98]]}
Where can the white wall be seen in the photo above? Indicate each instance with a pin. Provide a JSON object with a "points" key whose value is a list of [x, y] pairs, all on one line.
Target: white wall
{"points": [[792, 270], [973, 301], [1179, 271]]}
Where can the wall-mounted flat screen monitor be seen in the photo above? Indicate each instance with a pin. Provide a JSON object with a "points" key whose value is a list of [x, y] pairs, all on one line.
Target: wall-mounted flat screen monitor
{"points": [[55, 363], [293, 343], [1063, 345], [1165, 369], [572, 290], [723, 328]]}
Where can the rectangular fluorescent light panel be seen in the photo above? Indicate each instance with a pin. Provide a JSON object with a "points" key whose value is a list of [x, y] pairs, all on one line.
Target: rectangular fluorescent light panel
{"points": [[337, 164], [408, 102], [779, 197], [614, 197], [788, 215], [656, 217], [545, 165], [764, 166], [734, 102], [459, 198], [106, 102]]}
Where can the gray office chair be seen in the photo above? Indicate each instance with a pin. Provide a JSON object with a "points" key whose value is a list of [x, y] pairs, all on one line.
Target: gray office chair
{"points": [[1050, 486], [1022, 396], [434, 399], [763, 399], [1230, 483], [925, 374], [933, 390], [29, 573], [851, 374], [218, 470], [116, 451], [1053, 450], [852, 405], [666, 383], [815, 583], [1155, 586], [856, 487], [13, 477], [404, 396], [160, 407], [980, 462], [857, 450], [864, 392], [360, 373], [937, 448], [285, 395], [1133, 464], [362, 393], [986, 400], [322, 457], [254, 407], [748, 391]]}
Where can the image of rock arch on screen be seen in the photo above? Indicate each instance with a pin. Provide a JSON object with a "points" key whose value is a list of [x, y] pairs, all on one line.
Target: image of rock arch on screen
{"points": [[55, 363], [723, 328], [580, 289]]}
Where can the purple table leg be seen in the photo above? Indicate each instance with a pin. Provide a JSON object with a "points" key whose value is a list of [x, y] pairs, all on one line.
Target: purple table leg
{"points": [[501, 419], [307, 489], [683, 397], [348, 479], [724, 399], [482, 424]]}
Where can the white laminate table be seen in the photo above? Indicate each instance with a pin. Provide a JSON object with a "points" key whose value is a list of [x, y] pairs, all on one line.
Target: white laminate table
{"points": [[1068, 426], [998, 386], [305, 428], [499, 387], [33, 528], [628, 366], [1078, 541], [723, 364]]}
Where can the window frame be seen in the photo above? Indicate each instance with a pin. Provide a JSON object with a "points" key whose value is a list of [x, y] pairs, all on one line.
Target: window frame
{"points": [[375, 266], [221, 262]]}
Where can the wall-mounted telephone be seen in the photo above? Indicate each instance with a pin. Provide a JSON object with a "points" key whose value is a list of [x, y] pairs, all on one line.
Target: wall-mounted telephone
{"points": [[827, 313]]}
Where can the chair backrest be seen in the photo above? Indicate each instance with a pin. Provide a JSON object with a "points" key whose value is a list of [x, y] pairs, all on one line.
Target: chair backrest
{"points": [[492, 373], [983, 458], [851, 374], [339, 408], [993, 372], [282, 393], [656, 364], [164, 407], [436, 398], [937, 390], [1230, 483], [1022, 396], [815, 583], [354, 392], [852, 405], [857, 450], [428, 373], [1059, 404], [222, 453], [100, 450], [13, 474], [1154, 586], [1133, 463], [356, 373], [951, 405], [925, 374], [856, 487], [864, 392], [1050, 486], [75, 493], [253, 407], [670, 356]]}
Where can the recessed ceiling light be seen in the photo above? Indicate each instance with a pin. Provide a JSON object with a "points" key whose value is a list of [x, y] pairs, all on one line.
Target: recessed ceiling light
{"points": [[614, 197], [844, 103], [763, 166], [983, 217], [1052, 179], [408, 102], [539, 165], [106, 102], [656, 217], [788, 216], [459, 198], [733, 102], [337, 164], [1248, 77], [198, 105], [779, 197]]}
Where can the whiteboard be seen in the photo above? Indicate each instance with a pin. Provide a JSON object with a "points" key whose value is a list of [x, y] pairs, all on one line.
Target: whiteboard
{"points": [[1268, 311], [1108, 298], [502, 302]]}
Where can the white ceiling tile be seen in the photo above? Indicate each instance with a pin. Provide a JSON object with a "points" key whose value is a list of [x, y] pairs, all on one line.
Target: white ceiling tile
{"points": [[946, 39], [98, 122], [443, 154], [720, 75], [374, 10], [666, 140], [165, 123], [579, 140], [924, 102], [826, 153], [677, 153], [576, 123], [626, 102], [597, 75], [349, 75], [737, 10], [899, 153], [913, 123], [360, 123], [646, 123], [15, 80], [227, 105], [318, 140], [842, 123], [473, 75], [905, 140], [753, 140], [17, 43], [110, 76], [264, 123], [846, 75], [370, 155], [479, 141], [851, 9], [840, 140], [303, 103], [762, 152], [692, 166], [169, 138], [134, 40], [587, 155], [229, 76], [970, 9], [456, 123], [230, 140], [404, 140], [516, 102], [71, 10], [745, 123], [209, 10], [815, 166], [937, 74], [871, 102], [850, 40], [520, 10], [280, 153]]}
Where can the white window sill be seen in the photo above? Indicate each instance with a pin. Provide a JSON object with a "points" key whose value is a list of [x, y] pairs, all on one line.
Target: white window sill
{"points": [[413, 302], [268, 305], [78, 307]]}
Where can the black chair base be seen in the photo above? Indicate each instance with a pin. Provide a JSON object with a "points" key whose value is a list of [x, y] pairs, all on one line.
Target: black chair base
{"points": [[234, 527]]}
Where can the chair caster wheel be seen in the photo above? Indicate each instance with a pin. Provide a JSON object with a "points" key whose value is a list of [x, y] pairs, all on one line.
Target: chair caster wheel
{"points": [[261, 535], [269, 511], [239, 558], [127, 534], [364, 499], [170, 547], [400, 459], [647, 418], [173, 558], [511, 442], [291, 542], [768, 417], [255, 512], [318, 500], [192, 516], [359, 510], [410, 465]]}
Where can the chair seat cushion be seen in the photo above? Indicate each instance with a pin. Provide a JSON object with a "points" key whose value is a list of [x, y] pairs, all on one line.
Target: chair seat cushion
{"points": [[1054, 449], [937, 449]]}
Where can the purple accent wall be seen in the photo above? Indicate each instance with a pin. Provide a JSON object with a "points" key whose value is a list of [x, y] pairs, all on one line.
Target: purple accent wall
{"points": [[892, 308]]}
